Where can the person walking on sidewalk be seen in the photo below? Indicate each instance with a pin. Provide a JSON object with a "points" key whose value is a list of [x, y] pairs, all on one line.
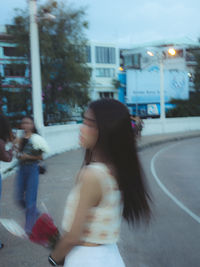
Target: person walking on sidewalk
{"points": [[109, 186], [5, 155], [30, 149]]}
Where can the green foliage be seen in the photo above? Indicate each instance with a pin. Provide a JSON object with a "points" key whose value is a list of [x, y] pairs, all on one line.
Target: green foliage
{"points": [[17, 98], [190, 107], [186, 108], [65, 74], [1, 92], [116, 83], [20, 99], [197, 71]]}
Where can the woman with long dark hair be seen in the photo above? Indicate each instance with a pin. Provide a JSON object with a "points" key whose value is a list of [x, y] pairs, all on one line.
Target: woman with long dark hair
{"points": [[5, 136], [109, 186], [31, 146]]}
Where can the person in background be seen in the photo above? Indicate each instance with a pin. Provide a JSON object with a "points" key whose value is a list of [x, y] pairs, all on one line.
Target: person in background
{"points": [[109, 186], [31, 146], [5, 155], [133, 124], [139, 126]]}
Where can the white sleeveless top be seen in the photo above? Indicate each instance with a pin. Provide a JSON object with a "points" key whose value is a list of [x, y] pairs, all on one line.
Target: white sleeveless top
{"points": [[103, 222]]}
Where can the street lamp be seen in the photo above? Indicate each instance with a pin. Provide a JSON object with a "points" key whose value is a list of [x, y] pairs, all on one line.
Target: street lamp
{"points": [[172, 51], [160, 56], [35, 63], [35, 67]]}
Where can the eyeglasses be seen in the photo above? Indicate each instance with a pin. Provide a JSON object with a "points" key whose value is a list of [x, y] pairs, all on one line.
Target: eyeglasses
{"points": [[89, 122]]}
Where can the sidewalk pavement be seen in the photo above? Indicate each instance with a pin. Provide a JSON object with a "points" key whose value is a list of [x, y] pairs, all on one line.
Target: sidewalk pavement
{"points": [[53, 190], [143, 142]]}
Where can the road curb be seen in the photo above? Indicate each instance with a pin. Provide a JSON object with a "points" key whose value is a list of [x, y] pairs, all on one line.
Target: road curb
{"points": [[166, 140]]}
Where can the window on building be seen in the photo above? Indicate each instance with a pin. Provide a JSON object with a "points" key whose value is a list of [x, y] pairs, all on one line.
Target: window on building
{"points": [[132, 61], [105, 72], [11, 52], [17, 70], [81, 53], [105, 55], [106, 94], [127, 61], [88, 53]]}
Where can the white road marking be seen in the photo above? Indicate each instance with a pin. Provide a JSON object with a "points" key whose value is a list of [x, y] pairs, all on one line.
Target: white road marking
{"points": [[165, 190]]}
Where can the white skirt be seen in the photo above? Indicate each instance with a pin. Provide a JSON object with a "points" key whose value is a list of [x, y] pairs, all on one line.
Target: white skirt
{"points": [[100, 256]]}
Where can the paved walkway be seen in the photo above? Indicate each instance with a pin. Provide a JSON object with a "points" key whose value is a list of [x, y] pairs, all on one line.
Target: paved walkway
{"points": [[53, 190]]}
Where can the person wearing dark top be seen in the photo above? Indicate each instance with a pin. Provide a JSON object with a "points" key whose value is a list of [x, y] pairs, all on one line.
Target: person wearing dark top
{"points": [[5, 155]]}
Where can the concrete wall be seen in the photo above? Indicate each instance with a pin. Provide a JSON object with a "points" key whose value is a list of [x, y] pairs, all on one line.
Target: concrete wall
{"points": [[60, 138], [65, 137], [170, 125]]}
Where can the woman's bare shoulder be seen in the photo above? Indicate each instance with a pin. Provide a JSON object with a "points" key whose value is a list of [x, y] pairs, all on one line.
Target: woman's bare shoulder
{"points": [[90, 175], [90, 185]]}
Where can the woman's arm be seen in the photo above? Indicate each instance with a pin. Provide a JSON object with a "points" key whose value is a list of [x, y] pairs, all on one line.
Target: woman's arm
{"points": [[90, 196], [5, 155], [25, 156]]}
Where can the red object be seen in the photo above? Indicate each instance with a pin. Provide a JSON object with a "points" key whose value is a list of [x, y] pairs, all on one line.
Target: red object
{"points": [[133, 124], [44, 231]]}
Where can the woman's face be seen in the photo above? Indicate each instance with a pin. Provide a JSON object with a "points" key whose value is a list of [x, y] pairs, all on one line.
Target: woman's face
{"points": [[88, 131], [27, 125]]}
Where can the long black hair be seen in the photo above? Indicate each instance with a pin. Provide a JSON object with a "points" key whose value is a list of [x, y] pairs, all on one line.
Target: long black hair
{"points": [[5, 129], [116, 142]]}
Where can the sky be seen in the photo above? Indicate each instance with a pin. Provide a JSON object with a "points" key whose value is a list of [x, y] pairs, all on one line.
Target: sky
{"points": [[130, 22]]}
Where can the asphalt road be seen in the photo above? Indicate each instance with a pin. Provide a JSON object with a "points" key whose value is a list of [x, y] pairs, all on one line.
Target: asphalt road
{"points": [[170, 240]]}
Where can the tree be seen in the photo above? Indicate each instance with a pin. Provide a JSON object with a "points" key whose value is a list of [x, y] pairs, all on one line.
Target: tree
{"points": [[15, 101], [65, 74], [185, 108], [197, 70], [116, 83], [191, 106], [20, 99], [1, 93]]}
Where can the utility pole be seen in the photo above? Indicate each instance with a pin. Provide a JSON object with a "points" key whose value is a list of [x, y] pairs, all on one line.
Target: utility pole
{"points": [[35, 67], [162, 95]]}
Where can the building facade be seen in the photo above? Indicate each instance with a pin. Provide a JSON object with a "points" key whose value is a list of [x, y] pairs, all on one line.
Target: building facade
{"points": [[103, 59], [14, 81], [141, 66]]}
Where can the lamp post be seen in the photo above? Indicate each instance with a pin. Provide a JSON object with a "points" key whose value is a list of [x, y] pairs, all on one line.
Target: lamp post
{"points": [[162, 95], [35, 67], [172, 52]]}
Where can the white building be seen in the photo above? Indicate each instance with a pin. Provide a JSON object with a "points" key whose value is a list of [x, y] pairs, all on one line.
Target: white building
{"points": [[103, 59], [137, 57], [142, 65]]}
